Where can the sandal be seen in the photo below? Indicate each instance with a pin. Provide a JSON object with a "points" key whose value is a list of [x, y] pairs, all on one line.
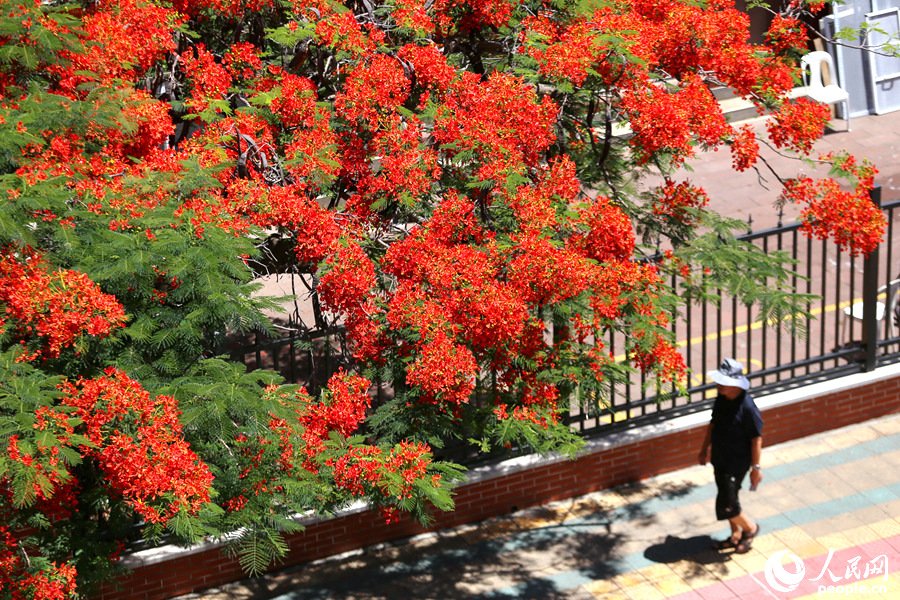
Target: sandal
{"points": [[726, 544], [746, 541]]}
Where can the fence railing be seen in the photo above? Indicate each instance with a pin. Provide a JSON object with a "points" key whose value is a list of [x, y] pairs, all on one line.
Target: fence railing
{"points": [[857, 302], [855, 326]]}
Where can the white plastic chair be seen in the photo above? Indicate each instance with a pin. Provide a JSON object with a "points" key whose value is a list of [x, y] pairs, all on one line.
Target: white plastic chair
{"points": [[817, 90], [887, 309]]}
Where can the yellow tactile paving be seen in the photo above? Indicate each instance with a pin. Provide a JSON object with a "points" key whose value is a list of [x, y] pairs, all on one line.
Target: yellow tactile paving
{"points": [[886, 528], [671, 586], [627, 580], [794, 539], [808, 549], [725, 571], [752, 562], [657, 572], [644, 592], [612, 596], [602, 587], [864, 534], [836, 540], [769, 543]]}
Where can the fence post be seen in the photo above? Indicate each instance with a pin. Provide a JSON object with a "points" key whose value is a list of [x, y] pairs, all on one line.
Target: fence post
{"points": [[870, 297]]}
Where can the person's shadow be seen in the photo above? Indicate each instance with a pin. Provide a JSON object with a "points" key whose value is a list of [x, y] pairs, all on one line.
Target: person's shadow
{"points": [[697, 549]]}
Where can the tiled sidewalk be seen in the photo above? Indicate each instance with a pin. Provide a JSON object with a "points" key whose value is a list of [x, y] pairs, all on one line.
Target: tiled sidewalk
{"points": [[828, 503]]}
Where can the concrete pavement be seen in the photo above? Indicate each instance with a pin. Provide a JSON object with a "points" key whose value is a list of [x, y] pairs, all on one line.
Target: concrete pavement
{"points": [[752, 194], [829, 505]]}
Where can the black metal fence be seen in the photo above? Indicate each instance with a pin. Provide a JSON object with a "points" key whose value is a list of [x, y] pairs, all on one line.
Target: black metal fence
{"points": [[857, 302]]}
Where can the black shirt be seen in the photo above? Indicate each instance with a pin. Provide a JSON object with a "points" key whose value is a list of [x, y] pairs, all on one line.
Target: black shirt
{"points": [[735, 423]]}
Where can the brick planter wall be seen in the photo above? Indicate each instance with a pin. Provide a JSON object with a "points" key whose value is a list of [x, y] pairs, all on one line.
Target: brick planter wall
{"points": [[499, 489]]}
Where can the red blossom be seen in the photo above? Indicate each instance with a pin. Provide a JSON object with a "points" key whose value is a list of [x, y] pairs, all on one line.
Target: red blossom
{"points": [[679, 200], [137, 443], [744, 148], [798, 124], [53, 309]]}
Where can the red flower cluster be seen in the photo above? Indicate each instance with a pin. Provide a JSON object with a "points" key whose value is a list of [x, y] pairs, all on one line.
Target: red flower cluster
{"points": [[137, 442], [849, 217], [680, 201], [210, 80], [798, 124], [50, 310], [786, 34], [20, 583]]}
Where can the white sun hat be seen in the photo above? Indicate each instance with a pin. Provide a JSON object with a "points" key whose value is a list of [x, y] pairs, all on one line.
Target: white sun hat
{"points": [[730, 373]]}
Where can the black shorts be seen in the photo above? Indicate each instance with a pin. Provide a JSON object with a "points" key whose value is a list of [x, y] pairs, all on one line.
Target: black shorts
{"points": [[727, 485]]}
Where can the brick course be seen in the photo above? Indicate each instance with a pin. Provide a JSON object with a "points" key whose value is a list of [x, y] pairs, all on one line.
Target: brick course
{"points": [[523, 487]]}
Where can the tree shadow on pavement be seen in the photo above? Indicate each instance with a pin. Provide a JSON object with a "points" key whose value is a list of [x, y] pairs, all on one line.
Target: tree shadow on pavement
{"points": [[646, 499], [535, 553]]}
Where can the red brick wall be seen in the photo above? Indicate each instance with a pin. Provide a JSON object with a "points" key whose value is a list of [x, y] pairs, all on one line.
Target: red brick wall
{"points": [[528, 487]]}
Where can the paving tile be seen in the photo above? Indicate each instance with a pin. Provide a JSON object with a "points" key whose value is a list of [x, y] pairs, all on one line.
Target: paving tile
{"points": [[843, 522], [612, 596], [886, 528], [807, 549], [792, 534], [886, 426], [752, 562], [862, 535], [719, 591], [726, 570], [835, 541], [657, 572], [784, 455], [644, 592], [780, 521], [628, 580], [692, 595], [778, 498], [841, 441], [892, 507], [601, 587], [743, 587], [865, 433], [882, 495], [769, 543], [671, 586], [687, 570]]}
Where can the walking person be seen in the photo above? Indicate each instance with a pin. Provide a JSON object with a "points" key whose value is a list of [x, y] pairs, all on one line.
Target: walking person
{"points": [[734, 436]]}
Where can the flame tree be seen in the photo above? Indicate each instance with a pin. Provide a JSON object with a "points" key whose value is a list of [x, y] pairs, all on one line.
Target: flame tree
{"points": [[445, 177]]}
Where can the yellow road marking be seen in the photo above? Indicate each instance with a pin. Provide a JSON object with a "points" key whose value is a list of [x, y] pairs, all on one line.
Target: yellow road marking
{"points": [[698, 378], [756, 325], [745, 328]]}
